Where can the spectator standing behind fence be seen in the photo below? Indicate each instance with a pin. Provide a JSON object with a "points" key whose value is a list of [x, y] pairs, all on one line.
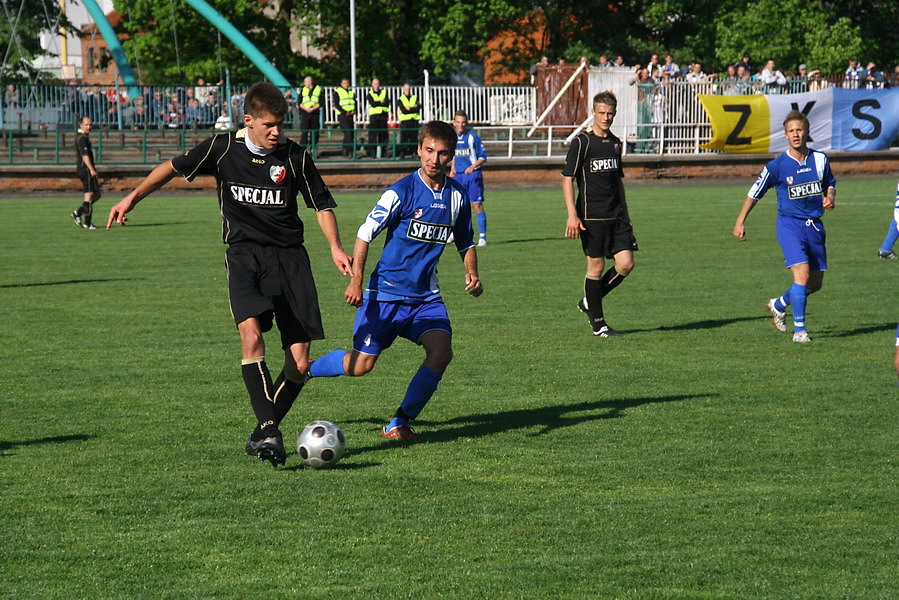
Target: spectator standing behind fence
{"points": [[854, 72], [87, 173], [799, 81], [345, 105], [654, 68], [746, 61], [378, 112], [310, 103], [696, 75], [408, 109], [772, 79], [874, 77], [671, 67]]}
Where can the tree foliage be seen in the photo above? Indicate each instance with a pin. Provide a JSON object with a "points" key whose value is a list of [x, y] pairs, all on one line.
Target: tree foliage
{"points": [[20, 33], [397, 39]]}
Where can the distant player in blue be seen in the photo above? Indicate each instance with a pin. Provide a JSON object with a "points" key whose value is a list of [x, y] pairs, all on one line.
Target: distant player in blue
{"points": [[419, 213], [466, 169], [886, 249], [805, 189]]}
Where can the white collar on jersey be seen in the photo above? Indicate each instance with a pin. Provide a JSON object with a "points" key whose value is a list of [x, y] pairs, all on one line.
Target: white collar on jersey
{"points": [[257, 150]]}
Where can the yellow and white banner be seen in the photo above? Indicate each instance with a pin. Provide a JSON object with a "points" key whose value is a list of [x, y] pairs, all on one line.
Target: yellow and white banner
{"points": [[840, 119]]}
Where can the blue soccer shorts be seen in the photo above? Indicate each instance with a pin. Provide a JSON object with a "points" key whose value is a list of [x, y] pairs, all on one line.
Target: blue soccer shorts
{"points": [[473, 184], [802, 241], [379, 323]]}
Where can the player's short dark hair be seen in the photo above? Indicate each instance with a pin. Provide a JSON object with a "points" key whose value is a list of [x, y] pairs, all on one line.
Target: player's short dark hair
{"points": [[606, 97], [796, 115], [461, 113], [438, 130], [262, 98]]}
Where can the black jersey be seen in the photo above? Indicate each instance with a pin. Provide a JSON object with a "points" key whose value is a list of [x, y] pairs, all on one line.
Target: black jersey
{"points": [[83, 148], [258, 194], [595, 163]]}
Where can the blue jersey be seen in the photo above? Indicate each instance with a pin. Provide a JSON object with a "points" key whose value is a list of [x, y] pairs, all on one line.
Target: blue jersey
{"points": [[418, 221], [800, 185], [469, 150]]}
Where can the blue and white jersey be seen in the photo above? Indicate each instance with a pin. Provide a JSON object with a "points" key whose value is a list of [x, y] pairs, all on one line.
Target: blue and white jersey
{"points": [[801, 185], [469, 150], [418, 221]]}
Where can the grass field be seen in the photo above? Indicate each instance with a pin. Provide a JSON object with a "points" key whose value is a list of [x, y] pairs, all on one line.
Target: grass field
{"points": [[703, 455]]}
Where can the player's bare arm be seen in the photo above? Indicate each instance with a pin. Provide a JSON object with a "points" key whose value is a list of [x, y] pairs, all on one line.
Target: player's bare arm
{"points": [[353, 292], [327, 222], [157, 178], [475, 166], [573, 225], [830, 199], [472, 280], [86, 159], [739, 227]]}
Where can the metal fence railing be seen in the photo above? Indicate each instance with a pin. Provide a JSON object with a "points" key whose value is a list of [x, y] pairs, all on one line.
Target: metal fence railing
{"points": [[50, 106]]}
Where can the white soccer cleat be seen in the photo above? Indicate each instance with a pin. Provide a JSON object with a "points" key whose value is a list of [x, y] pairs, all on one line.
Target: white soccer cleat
{"points": [[779, 318], [801, 337], [482, 241]]}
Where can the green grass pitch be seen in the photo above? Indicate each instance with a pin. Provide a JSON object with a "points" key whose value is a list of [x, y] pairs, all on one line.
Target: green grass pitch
{"points": [[703, 455]]}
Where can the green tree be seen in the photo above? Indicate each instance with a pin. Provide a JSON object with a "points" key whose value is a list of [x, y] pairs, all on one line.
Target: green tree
{"points": [[20, 36], [170, 42]]}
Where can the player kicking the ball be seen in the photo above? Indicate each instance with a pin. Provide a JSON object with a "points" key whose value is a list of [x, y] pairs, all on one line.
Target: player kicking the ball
{"points": [[259, 174], [402, 299]]}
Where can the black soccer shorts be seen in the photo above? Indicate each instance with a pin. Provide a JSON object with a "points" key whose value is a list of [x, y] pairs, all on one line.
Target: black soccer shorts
{"points": [[607, 237], [272, 283]]}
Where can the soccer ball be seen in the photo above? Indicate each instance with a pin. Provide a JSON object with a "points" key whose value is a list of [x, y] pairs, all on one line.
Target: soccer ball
{"points": [[321, 444]]}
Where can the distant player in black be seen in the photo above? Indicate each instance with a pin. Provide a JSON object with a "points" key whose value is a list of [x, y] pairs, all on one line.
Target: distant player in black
{"points": [[599, 216], [87, 173], [259, 174]]}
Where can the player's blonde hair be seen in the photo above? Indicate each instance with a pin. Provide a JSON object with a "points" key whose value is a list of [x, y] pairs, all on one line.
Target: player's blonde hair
{"points": [[796, 115]]}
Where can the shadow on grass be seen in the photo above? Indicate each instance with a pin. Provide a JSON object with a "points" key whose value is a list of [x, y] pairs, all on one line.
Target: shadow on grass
{"points": [[548, 419], [527, 241], [862, 330], [56, 439], [66, 282], [706, 324], [135, 225]]}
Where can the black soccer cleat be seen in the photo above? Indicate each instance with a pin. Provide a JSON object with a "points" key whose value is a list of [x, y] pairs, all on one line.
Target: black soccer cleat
{"points": [[252, 447], [271, 448], [607, 332]]}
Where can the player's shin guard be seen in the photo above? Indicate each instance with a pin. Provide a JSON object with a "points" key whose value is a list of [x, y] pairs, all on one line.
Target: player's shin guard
{"points": [[593, 294], [329, 365], [421, 388], [482, 224], [610, 280], [890, 240], [286, 391], [798, 297], [259, 385]]}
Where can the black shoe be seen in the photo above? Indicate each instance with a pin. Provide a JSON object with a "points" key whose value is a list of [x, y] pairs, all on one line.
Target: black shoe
{"points": [[271, 448], [889, 255], [252, 447], [606, 332]]}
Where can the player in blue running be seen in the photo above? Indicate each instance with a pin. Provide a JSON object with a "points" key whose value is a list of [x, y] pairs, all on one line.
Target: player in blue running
{"points": [[805, 188], [466, 169], [418, 214], [886, 249]]}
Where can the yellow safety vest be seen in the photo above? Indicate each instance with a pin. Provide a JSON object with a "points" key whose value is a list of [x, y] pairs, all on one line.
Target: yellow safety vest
{"points": [[377, 97], [347, 100], [408, 102], [310, 97]]}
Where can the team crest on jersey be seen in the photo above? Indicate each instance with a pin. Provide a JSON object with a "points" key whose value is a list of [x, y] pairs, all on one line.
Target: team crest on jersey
{"points": [[417, 214], [789, 181], [277, 173]]}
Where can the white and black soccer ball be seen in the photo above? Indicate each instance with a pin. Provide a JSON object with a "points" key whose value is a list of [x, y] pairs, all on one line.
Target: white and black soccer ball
{"points": [[321, 444]]}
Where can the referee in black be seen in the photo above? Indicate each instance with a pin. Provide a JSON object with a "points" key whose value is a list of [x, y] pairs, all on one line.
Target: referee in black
{"points": [[599, 215], [259, 174], [87, 173]]}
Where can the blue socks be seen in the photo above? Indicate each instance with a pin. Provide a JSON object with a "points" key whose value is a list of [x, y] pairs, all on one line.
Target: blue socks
{"points": [[421, 388], [799, 297], [891, 237], [329, 365], [482, 224]]}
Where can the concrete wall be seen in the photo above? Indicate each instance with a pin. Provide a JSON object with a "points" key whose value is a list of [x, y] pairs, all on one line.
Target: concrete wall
{"points": [[513, 172]]}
